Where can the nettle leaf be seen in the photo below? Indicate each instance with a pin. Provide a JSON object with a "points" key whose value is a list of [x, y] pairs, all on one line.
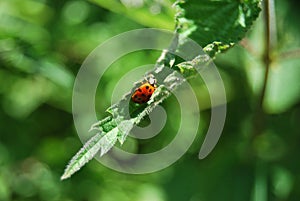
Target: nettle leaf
{"points": [[84, 155], [102, 141], [117, 126], [216, 24]]}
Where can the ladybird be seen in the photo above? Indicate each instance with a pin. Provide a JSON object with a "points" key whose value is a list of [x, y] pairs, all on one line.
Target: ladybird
{"points": [[144, 92]]}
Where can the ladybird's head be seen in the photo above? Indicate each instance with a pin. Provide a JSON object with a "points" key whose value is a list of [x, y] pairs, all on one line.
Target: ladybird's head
{"points": [[152, 80]]}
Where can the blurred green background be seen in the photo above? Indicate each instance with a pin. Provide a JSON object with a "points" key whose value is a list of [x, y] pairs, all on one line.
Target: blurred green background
{"points": [[42, 46]]}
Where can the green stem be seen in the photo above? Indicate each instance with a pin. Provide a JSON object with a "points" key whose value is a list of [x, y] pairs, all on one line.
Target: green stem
{"points": [[260, 116], [270, 36], [268, 47]]}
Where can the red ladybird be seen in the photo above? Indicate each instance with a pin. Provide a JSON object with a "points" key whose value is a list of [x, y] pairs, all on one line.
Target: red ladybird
{"points": [[144, 92]]}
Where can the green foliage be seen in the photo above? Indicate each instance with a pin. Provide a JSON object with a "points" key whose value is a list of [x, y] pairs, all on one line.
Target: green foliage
{"points": [[217, 24], [118, 126], [42, 45], [142, 14], [122, 122]]}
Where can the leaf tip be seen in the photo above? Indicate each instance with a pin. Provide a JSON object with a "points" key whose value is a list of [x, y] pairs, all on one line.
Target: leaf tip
{"points": [[64, 176]]}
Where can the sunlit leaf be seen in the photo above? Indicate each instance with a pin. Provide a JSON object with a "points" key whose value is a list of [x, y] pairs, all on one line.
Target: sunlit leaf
{"points": [[217, 24]]}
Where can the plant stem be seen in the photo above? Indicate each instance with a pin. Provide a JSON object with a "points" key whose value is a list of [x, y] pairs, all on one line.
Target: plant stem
{"points": [[268, 47], [271, 40], [259, 120]]}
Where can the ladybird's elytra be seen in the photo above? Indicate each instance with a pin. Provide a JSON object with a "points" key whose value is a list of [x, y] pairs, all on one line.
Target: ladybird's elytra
{"points": [[144, 92]]}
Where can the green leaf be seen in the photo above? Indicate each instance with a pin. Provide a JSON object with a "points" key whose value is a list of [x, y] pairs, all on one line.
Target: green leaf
{"points": [[103, 141], [190, 69], [117, 126], [85, 154], [142, 13], [216, 25]]}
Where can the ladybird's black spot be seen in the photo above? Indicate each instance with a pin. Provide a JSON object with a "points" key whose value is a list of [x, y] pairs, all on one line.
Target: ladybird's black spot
{"points": [[139, 89], [150, 90], [144, 95], [147, 87]]}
